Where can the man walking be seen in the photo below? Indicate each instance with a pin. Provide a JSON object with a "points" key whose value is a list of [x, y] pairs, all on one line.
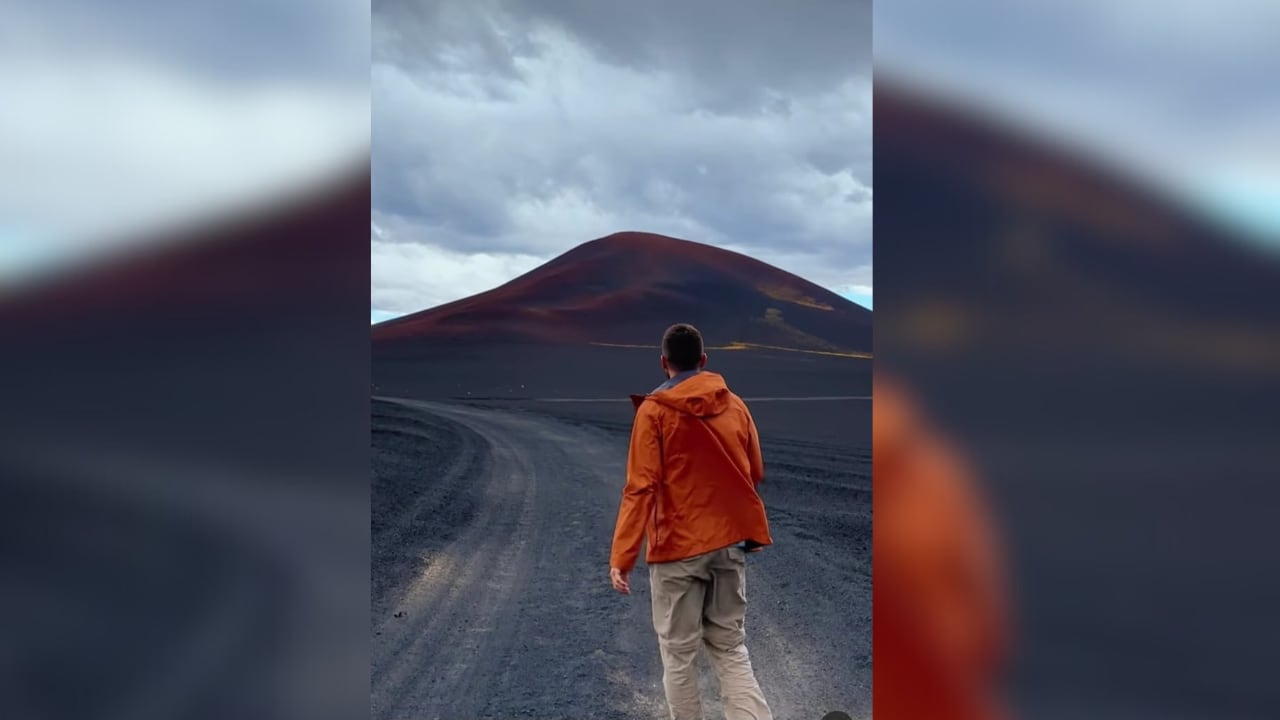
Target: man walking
{"points": [[692, 473]]}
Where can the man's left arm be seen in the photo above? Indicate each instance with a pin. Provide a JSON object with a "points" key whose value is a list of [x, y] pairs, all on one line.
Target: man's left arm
{"points": [[644, 471]]}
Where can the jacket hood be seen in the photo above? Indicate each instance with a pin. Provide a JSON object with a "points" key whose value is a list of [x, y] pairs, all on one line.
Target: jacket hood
{"points": [[703, 394]]}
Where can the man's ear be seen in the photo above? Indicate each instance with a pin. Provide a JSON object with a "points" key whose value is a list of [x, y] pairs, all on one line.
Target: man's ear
{"points": [[702, 361], [663, 358]]}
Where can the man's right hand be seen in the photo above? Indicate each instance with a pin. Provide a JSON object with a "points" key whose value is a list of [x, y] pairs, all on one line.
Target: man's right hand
{"points": [[620, 581]]}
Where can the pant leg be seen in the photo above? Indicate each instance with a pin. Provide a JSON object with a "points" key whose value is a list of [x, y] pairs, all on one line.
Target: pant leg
{"points": [[678, 590], [724, 633]]}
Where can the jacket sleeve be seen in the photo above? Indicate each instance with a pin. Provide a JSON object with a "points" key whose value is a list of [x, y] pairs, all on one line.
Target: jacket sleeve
{"points": [[644, 472], [754, 453]]}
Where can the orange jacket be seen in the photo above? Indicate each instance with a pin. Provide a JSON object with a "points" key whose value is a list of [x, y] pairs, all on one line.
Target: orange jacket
{"points": [[941, 629], [692, 473]]}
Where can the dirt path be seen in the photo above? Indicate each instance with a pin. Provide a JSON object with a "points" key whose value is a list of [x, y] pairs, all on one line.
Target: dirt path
{"points": [[491, 537]]}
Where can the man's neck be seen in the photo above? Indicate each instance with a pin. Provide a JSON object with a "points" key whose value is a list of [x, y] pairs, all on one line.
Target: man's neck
{"points": [[674, 379]]}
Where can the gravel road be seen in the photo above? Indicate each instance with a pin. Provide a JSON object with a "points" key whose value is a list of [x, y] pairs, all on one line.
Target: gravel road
{"points": [[490, 590]]}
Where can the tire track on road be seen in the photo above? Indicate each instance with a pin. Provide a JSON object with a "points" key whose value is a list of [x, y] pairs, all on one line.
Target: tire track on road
{"points": [[514, 616], [447, 639]]}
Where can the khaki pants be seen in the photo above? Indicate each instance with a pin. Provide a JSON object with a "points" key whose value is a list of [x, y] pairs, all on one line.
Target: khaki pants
{"points": [[702, 602]]}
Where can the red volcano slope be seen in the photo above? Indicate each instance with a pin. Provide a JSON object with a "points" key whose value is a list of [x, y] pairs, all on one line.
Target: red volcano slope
{"points": [[628, 287]]}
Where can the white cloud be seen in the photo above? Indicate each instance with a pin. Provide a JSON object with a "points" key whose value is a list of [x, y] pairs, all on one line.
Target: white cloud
{"points": [[407, 277], [566, 147], [109, 148], [104, 144]]}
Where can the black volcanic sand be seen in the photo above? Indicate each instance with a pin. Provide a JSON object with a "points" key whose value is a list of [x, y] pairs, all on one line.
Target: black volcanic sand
{"points": [[527, 371], [492, 519]]}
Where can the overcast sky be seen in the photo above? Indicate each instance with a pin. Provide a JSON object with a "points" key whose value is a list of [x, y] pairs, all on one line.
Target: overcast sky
{"points": [[505, 133], [124, 118], [1182, 93]]}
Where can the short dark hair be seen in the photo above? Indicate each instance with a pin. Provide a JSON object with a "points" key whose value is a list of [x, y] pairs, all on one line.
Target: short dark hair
{"points": [[682, 347]]}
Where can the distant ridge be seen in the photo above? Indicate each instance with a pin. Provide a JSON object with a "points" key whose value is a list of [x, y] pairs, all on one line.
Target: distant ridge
{"points": [[625, 288]]}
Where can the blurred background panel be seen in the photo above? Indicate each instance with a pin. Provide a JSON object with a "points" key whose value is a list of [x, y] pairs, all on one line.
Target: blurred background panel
{"points": [[184, 193], [1078, 285], [128, 118]]}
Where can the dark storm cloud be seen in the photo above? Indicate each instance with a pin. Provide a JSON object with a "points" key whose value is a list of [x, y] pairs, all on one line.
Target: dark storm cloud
{"points": [[527, 128], [736, 52], [230, 40], [479, 38]]}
